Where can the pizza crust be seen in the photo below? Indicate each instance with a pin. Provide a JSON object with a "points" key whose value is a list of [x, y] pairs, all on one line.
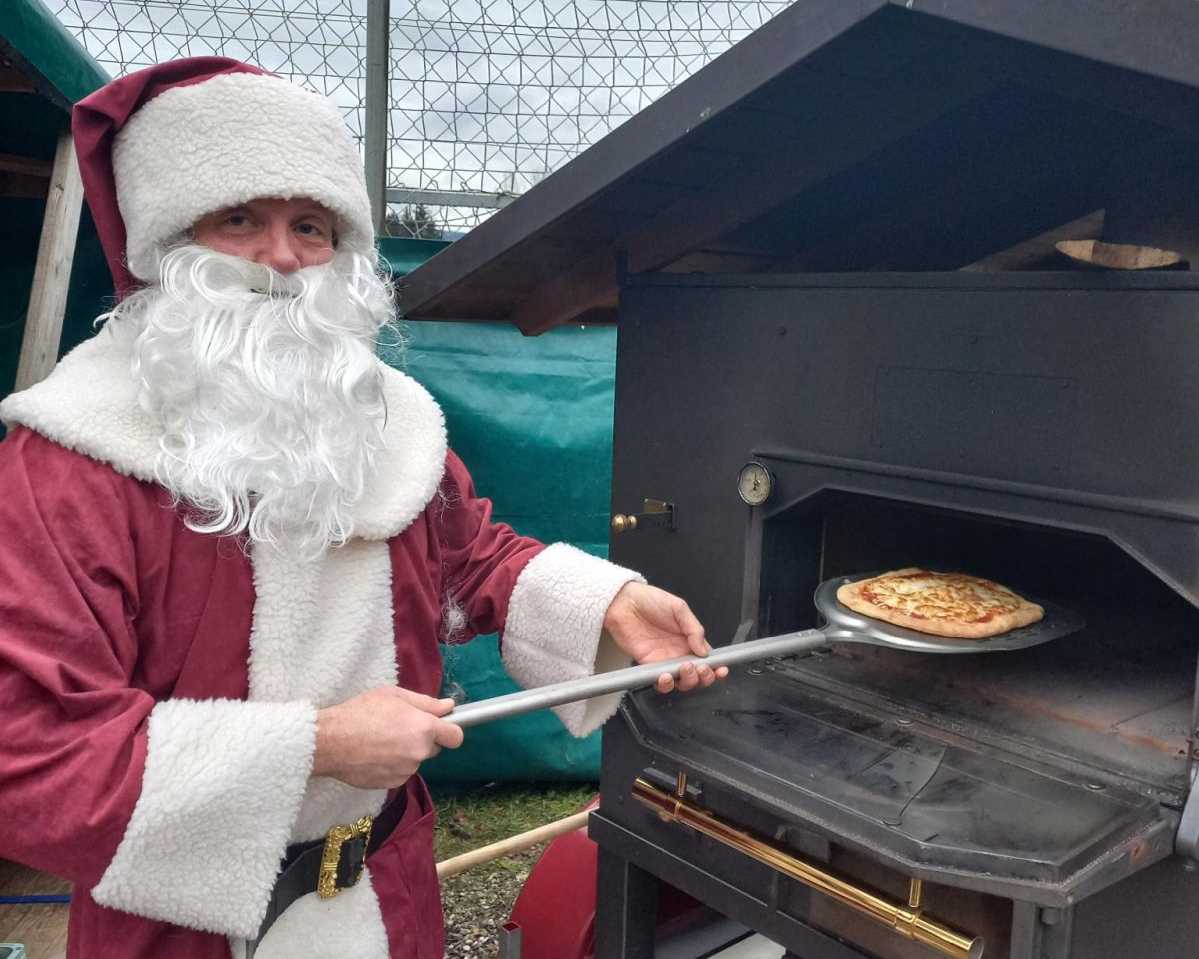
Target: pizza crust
{"points": [[954, 605]]}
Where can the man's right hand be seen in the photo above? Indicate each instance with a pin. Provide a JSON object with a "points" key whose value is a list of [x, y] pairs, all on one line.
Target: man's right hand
{"points": [[378, 739]]}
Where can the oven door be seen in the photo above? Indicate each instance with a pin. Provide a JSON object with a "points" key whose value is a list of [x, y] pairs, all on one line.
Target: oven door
{"points": [[815, 821]]}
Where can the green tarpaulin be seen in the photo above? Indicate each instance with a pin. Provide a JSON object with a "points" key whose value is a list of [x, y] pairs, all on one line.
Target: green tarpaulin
{"points": [[532, 419]]}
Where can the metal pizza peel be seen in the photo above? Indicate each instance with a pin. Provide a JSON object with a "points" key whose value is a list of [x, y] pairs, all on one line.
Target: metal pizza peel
{"points": [[842, 625]]}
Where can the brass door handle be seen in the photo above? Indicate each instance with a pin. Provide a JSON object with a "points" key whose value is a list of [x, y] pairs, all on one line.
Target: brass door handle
{"points": [[655, 512], [906, 919]]}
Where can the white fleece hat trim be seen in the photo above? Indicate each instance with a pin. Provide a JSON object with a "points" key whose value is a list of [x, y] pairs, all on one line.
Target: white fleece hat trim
{"points": [[202, 147]]}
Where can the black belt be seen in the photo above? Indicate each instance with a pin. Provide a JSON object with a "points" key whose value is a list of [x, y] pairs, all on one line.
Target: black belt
{"points": [[327, 866]]}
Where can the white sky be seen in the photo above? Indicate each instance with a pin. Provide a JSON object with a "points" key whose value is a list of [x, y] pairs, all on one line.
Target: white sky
{"points": [[487, 95]]}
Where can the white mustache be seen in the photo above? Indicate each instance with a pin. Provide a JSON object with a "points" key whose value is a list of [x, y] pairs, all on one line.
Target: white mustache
{"points": [[267, 389]]}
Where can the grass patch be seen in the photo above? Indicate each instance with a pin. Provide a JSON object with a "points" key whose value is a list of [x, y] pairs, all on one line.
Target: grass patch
{"points": [[468, 820]]}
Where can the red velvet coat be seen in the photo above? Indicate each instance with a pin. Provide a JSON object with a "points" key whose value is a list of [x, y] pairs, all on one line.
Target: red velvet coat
{"points": [[159, 686], [95, 628]]}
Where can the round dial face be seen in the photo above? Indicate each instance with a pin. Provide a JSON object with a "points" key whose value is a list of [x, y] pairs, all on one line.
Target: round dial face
{"points": [[754, 484]]}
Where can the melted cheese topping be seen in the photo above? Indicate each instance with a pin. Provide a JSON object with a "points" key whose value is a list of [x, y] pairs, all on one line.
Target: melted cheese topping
{"points": [[926, 595]]}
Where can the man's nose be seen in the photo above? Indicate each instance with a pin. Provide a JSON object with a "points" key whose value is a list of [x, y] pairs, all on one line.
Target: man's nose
{"points": [[278, 250]]}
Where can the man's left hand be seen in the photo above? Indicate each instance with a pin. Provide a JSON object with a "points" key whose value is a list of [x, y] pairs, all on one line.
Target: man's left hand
{"points": [[651, 624]]}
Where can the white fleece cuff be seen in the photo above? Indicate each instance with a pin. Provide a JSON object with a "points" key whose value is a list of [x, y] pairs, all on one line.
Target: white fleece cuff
{"points": [[554, 630], [222, 787]]}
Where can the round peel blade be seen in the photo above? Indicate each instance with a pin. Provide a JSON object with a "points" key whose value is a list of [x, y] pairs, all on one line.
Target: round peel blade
{"points": [[843, 625]]}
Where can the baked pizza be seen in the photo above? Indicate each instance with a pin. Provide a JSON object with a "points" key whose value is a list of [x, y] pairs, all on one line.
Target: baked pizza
{"points": [[944, 604]]}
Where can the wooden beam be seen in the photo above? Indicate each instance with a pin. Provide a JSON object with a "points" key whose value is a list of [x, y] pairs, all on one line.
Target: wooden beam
{"points": [[589, 285], [52, 275], [23, 187], [855, 130], [720, 261], [924, 220], [27, 166], [852, 129], [13, 80], [1041, 247]]}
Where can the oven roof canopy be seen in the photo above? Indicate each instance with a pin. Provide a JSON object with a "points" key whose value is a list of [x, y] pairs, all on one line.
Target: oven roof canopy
{"points": [[843, 136]]}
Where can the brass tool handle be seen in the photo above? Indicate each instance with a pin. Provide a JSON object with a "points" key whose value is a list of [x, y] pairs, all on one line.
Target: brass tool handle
{"points": [[907, 920], [656, 512]]}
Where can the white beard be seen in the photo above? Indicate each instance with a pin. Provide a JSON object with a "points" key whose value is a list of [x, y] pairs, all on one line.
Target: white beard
{"points": [[267, 389]]}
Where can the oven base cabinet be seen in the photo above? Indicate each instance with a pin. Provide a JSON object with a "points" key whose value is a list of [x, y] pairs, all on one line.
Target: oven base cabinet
{"points": [[1152, 915], [1107, 886]]}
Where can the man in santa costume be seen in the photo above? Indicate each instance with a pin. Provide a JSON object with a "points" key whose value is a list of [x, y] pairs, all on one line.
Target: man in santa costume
{"points": [[232, 541]]}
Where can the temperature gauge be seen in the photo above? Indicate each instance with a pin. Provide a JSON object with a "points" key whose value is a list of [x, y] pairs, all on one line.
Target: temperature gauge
{"points": [[755, 484]]}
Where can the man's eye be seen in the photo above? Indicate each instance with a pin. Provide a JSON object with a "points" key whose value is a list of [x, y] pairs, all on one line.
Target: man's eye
{"points": [[237, 219], [310, 229]]}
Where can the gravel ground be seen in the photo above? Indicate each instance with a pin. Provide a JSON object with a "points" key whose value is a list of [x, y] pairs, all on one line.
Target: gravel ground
{"points": [[477, 902]]}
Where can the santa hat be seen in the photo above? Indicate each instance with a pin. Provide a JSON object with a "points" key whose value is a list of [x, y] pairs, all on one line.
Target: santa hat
{"points": [[163, 147]]}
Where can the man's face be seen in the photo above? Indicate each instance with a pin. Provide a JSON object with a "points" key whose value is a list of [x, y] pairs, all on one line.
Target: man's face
{"points": [[286, 235], [272, 405]]}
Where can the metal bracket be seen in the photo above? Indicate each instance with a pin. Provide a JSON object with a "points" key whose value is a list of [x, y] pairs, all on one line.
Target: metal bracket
{"points": [[655, 512], [1186, 841], [509, 941]]}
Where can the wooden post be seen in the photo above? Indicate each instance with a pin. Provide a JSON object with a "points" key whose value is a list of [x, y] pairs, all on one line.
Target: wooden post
{"points": [[52, 275]]}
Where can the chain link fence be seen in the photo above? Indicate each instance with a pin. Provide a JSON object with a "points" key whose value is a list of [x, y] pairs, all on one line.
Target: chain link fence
{"points": [[486, 96]]}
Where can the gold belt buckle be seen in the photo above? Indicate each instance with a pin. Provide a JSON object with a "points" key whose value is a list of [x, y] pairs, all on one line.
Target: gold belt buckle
{"points": [[335, 838]]}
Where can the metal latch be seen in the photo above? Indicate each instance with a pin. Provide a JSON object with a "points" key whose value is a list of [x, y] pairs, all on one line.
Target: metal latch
{"points": [[1186, 842], [655, 512]]}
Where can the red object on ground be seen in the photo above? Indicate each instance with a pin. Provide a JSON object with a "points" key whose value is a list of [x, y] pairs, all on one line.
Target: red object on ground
{"points": [[556, 908]]}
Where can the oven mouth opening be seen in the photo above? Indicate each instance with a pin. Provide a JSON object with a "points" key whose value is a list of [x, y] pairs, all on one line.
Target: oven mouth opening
{"points": [[1119, 695]]}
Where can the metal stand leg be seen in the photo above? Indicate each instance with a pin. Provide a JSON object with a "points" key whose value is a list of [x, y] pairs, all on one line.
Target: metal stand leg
{"points": [[626, 910]]}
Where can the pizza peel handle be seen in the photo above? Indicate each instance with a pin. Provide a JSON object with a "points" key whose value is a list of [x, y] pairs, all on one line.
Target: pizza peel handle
{"points": [[634, 677], [842, 625]]}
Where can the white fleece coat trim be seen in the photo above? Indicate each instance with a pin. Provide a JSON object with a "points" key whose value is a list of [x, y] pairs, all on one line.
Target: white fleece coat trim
{"points": [[323, 632], [222, 785], [347, 927], [196, 149], [554, 630], [89, 404]]}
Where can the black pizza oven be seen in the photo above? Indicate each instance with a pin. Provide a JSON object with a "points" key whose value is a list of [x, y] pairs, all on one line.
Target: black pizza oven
{"points": [[832, 258], [1038, 430]]}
